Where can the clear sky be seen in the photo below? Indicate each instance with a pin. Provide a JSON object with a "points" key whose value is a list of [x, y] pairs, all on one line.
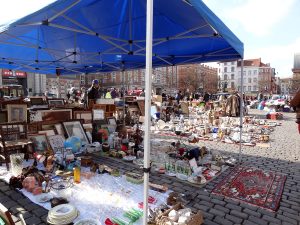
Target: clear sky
{"points": [[269, 28]]}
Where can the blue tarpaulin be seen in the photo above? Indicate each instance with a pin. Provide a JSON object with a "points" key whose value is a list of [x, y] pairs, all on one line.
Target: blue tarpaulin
{"points": [[73, 36]]}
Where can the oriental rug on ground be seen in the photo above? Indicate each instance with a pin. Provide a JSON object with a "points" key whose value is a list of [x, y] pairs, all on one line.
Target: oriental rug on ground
{"points": [[253, 186]]}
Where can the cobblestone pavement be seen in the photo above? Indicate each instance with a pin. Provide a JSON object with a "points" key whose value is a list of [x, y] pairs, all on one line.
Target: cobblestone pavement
{"points": [[282, 156]]}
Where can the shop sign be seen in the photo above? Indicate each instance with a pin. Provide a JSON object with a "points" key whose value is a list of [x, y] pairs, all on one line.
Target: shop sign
{"points": [[13, 74]]}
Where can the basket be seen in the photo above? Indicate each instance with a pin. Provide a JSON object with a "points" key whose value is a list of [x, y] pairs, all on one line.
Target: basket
{"points": [[163, 219]]}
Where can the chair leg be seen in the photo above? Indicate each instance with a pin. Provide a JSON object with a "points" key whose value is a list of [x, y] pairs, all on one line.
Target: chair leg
{"points": [[6, 159], [26, 152]]}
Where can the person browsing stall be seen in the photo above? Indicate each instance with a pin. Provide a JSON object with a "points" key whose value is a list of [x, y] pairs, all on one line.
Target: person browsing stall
{"points": [[94, 91]]}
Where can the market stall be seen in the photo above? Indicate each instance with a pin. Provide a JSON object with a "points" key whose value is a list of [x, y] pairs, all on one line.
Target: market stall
{"points": [[182, 31]]}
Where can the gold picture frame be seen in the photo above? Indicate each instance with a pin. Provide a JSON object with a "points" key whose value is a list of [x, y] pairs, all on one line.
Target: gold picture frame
{"points": [[16, 113]]}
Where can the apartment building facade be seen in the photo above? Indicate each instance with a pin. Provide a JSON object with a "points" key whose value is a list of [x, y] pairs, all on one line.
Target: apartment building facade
{"points": [[257, 77]]}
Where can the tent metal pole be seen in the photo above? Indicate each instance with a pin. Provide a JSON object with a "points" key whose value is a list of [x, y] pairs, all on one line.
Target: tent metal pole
{"points": [[148, 84], [241, 108], [88, 33], [123, 87], [63, 11]]}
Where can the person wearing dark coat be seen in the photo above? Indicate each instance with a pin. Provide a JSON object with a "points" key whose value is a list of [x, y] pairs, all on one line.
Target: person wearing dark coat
{"points": [[206, 97], [94, 91]]}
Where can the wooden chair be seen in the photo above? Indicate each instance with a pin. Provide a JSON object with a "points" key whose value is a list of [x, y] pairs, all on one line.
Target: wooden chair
{"points": [[13, 138], [7, 218], [5, 215]]}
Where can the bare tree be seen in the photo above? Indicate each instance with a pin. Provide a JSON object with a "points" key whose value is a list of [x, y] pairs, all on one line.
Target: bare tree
{"points": [[189, 82]]}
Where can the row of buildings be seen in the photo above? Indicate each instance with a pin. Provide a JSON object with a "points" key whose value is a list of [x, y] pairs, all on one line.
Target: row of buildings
{"points": [[187, 78], [258, 77]]}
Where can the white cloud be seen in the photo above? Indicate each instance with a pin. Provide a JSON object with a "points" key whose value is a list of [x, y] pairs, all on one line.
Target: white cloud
{"points": [[281, 57], [15, 9], [258, 17]]}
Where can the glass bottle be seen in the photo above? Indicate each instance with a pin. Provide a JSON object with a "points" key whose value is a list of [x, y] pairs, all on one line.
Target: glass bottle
{"points": [[76, 171]]}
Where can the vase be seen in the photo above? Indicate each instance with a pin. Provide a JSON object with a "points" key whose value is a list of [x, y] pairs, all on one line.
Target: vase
{"points": [[16, 161]]}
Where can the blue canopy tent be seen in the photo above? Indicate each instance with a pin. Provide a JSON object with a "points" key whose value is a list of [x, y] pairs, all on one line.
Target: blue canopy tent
{"points": [[76, 36]]}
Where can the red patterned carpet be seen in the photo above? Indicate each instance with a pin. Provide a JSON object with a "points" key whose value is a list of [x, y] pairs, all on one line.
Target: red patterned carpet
{"points": [[253, 186]]}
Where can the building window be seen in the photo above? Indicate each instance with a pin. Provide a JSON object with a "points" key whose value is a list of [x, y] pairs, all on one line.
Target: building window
{"points": [[136, 78], [249, 72], [225, 69], [254, 72], [232, 85], [255, 80], [249, 80], [225, 76], [225, 63], [113, 77], [254, 88], [232, 76], [232, 63], [232, 69], [249, 88]]}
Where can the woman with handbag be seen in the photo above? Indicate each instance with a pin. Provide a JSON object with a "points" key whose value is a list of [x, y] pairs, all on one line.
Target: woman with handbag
{"points": [[295, 102]]}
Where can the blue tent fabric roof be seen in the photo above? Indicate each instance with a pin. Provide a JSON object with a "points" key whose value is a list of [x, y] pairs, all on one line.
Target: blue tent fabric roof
{"points": [[73, 36]]}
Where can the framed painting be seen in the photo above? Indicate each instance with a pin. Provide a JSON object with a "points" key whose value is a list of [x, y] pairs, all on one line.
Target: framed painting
{"points": [[75, 128], [17, 113], [88, 127], [111, 121], [47, 132], [59, 129], [56, 102], [141, 105], [85, 115], [56, 114], [98, 114], [3, 117], [56, 142], [37, 101], [40, 143]]}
